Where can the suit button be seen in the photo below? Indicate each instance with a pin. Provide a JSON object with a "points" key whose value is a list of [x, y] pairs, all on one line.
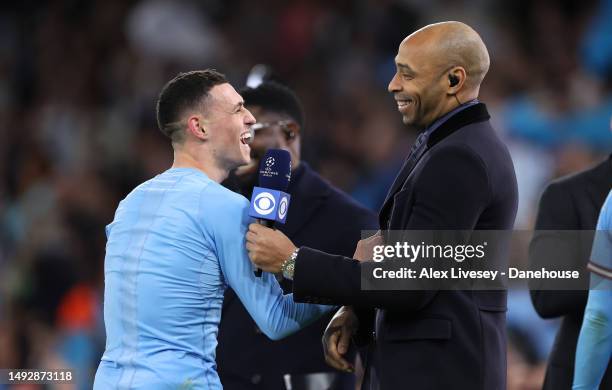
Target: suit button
{"points": [[374, 335], [255, 379], [257, 330]]}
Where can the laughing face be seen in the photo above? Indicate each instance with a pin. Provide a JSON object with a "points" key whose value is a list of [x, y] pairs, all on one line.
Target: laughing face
{"points": [[229, 123], [417, 86]]}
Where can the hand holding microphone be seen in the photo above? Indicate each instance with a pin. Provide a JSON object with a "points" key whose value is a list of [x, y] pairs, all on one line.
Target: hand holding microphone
{"points": [[268, 248], [269, 204]]}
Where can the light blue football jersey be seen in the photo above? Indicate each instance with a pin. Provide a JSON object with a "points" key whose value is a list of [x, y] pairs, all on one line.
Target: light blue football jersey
{"points": [[176, 242]]}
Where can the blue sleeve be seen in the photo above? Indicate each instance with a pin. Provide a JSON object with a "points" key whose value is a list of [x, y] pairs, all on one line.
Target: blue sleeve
{"points": [[276, 314], [601, 254], [595, 341]]}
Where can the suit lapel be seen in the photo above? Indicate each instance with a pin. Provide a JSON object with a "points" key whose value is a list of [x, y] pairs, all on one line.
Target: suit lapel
{"points": [[415, 154], [473, 114], [400, 180]]}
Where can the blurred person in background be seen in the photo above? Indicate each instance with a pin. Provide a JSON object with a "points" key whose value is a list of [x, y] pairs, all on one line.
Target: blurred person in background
{"points": [[594, 350], [176, 243], [317, 217], [568, 203], [77, 135]]}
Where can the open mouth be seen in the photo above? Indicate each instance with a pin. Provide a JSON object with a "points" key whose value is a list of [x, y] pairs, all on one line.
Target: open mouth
{"points": [[403, 103], [246, 137]]}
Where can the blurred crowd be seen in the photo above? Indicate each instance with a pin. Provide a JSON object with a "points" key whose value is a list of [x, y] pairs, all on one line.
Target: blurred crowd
{"points": [[77, 123]]}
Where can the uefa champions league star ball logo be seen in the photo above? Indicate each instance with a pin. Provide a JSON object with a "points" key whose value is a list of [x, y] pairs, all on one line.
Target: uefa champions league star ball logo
{"points": [[269, 163], [268, 167]]}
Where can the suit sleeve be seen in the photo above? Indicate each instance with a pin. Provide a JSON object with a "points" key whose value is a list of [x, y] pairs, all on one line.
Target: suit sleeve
{"points": [[276, 314], [556, 213], [451, 192]]}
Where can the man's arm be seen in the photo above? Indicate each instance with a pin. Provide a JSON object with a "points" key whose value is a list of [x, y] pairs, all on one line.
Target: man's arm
{"points": [[594, 349], [330, 279], [276, 314], [451, 193], [556, 212]]}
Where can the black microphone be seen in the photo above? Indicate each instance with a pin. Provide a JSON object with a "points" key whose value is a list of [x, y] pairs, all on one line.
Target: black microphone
{"points": [[269, 202]]}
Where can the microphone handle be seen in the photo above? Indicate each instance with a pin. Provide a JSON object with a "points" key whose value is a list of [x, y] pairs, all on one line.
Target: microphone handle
{"points": [[269, 224]]}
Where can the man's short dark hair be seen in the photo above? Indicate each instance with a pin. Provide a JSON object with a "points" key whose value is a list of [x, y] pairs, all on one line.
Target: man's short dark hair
{"points": [[182, 92], [273, 96]]}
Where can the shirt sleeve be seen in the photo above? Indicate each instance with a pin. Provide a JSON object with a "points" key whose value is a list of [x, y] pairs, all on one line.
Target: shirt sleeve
{"points": [[601, 254], [276, 314], [595, 340]]}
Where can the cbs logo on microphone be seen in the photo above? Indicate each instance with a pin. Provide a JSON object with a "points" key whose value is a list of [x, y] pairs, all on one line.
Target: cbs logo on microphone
{"points": [[269, 204]]}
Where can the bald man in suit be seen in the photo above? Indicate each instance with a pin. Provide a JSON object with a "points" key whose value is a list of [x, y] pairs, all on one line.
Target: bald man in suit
{"points": [[457, 176]]}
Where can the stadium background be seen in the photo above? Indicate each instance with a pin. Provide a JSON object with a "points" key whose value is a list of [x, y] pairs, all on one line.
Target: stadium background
{"points": [[77, 128]]}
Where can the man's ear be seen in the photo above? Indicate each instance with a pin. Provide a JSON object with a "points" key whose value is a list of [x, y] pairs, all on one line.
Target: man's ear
{"points": [[196, 126], [456, 79]]}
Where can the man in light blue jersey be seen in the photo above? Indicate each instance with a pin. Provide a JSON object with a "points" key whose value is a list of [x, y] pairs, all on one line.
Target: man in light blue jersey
{"points": [[176, 243], [594, 350]]}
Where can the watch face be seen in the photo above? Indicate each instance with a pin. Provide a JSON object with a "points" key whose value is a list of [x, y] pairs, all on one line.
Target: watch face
{"points": [[289, 265]]}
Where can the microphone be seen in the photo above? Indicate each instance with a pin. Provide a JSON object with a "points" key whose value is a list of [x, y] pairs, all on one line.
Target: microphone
{"points": [[269, 202]]}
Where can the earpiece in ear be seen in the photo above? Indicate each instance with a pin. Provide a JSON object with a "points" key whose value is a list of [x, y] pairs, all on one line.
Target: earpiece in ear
{"points": [[453, 80]]}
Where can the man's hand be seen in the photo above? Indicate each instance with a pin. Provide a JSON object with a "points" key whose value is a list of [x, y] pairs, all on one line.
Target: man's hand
{"points": [[268, 248], [365, 247], [337, 338]]}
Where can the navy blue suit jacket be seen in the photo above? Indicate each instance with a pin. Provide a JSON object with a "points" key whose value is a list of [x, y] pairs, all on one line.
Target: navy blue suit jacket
{"points": [[426, 339], [319, 216]]}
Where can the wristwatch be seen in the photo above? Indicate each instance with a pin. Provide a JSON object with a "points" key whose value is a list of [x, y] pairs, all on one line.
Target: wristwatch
{"points": [[288, 267]]}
